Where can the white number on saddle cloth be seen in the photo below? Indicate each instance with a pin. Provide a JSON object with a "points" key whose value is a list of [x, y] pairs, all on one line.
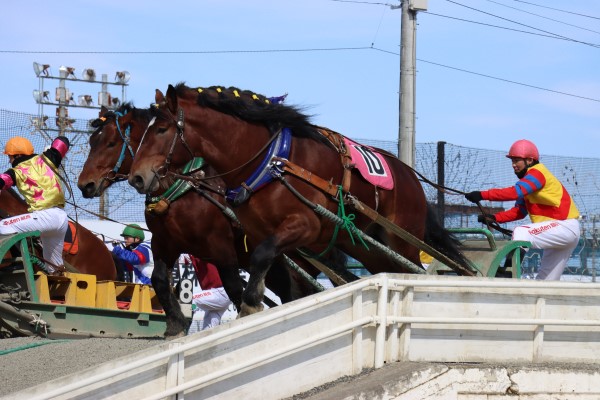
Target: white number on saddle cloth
{"points": [[372, 165]]}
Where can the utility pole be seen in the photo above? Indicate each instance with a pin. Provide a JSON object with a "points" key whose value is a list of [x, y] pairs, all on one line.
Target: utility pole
{"points": [[406, 135]]}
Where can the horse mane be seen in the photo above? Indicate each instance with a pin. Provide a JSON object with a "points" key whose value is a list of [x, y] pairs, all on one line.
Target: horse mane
{"points": [[123, 109], [255, 108]]}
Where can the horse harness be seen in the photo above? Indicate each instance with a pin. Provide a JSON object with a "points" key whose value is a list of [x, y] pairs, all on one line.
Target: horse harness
{"points": [[275, 164]]}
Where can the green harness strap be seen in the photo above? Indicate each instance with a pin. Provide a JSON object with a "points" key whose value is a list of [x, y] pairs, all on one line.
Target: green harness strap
{"points": [[180, 187]]}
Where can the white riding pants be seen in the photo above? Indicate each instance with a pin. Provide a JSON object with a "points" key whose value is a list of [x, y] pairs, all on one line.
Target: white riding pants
{"points": [[52, 223], [214, 303], [558, 239]]}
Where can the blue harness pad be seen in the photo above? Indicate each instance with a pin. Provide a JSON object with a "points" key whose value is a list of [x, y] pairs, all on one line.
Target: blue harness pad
{"points": [[262, 176]]}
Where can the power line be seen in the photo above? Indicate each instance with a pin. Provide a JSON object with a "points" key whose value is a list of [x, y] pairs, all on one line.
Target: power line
{"points": [[288, 51], [497, 26], [184, 52], [494, 77], [364, 2], [518, 23], [541, 16], [557, 9]]}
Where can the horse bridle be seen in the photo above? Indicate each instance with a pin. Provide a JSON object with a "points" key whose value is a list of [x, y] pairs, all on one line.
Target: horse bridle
{"points": [[163, 171], [126, 143], [113, 175]]}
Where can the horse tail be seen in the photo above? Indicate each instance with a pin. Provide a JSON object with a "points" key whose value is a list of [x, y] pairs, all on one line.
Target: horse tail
{"points": [[443, 240]]}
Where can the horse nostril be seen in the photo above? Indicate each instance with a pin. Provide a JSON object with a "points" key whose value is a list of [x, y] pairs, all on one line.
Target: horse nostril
{"points": [[136, 181], [88, 190]]}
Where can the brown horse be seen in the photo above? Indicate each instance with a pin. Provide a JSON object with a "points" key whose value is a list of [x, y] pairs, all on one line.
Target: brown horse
{"points": [[233, 134], [92, 256], [211, 235]]}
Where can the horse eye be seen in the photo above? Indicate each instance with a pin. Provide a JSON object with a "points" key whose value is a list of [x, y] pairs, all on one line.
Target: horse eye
{"points": [[111, 144], [160, 131]]}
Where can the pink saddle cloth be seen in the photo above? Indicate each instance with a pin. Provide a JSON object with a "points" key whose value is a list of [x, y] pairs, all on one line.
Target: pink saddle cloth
{"points": [[372, 165]]}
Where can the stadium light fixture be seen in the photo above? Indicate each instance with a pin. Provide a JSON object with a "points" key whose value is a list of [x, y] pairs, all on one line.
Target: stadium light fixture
{"points": [[85, 100], [89, 74], [41, 96], [39, 123], [68, 71], [116, 103], [41, 69], [122, 76]]}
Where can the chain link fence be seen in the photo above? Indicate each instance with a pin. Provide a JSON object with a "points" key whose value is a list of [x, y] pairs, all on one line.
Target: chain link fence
{"points": [[466, 169]]}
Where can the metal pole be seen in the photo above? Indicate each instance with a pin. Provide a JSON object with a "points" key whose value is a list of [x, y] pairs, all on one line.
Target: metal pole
{"points": [[441, 181], [594, 247], [61, 115], [406, 139], [103, 204]]}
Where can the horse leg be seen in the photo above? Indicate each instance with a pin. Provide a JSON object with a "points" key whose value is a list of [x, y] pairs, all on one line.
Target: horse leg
{"points": [[260, 262], [176, 323], [232, 283], [278, 280]]}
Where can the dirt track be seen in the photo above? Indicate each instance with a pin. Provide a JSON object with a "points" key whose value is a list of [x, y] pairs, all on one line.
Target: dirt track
{"points": [[26, 362]]}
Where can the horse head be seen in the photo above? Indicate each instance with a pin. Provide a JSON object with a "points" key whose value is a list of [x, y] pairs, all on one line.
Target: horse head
{"points": [[112, 147], [161, 143]]}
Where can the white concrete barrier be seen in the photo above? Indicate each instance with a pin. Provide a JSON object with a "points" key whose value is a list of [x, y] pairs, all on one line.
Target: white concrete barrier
{"points": [[376, 320]]}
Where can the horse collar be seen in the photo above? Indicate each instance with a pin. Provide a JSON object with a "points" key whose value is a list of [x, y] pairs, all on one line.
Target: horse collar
{"points": [[280, 147]]}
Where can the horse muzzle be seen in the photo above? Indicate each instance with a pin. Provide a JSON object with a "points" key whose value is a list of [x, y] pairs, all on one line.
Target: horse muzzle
{"points": [[143, 184]]}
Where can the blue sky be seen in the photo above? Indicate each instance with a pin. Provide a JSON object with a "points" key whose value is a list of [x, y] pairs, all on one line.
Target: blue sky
{"points": [[340, 59]]}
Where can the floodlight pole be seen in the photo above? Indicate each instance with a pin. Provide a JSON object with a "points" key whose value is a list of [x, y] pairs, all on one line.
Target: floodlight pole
{"points": [[61, 111], [63, 97]]}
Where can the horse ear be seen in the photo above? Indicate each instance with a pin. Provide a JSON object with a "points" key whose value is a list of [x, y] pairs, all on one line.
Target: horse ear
{"points": [[159, 97], [171, 99], [103, 110]]}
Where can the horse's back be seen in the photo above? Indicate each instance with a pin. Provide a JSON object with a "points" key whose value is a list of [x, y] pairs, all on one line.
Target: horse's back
{"points": [[92, 257]]}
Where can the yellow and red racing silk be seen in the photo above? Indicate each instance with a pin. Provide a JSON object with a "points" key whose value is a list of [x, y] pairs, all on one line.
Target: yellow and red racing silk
{"points": [[539, 194], [38, 183]]}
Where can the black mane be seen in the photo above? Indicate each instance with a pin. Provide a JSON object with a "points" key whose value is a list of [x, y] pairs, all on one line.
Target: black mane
{"points": [[254, 108]]}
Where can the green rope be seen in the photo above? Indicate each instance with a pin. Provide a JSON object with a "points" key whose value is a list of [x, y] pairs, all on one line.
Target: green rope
{"points": [[346, 223]]}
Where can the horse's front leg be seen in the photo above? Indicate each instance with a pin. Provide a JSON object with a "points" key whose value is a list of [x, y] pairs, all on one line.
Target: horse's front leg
{"points": [[176, 323], [260, 262], [295, 232]]}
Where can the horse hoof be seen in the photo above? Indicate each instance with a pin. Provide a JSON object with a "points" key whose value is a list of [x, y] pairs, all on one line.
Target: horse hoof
{"points": [[245, 310]]}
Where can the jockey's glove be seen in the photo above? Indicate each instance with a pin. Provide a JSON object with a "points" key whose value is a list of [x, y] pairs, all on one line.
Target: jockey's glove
{"points": [[474, 197], [486, 218]]}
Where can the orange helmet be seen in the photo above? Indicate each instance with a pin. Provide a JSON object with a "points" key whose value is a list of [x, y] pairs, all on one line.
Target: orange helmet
{"points": [[18, 145], [523, 149]]}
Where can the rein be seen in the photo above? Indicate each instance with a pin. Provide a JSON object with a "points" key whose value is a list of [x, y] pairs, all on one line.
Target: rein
{"points": [[445, 190]]}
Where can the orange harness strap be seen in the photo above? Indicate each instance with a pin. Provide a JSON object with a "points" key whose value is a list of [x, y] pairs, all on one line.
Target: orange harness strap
{"points": [[338, 142], [296, 170]]}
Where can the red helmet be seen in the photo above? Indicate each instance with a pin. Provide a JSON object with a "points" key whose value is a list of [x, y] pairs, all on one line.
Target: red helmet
{"points": [[523, 149]]}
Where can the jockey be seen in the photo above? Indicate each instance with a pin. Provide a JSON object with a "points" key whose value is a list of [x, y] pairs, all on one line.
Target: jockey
{"points": [[36, 178], [554, 216], [211, 298], [136, 255]]}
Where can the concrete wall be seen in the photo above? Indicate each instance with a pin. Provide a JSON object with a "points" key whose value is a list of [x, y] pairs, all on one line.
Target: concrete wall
{"points": [[366, 324]]}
